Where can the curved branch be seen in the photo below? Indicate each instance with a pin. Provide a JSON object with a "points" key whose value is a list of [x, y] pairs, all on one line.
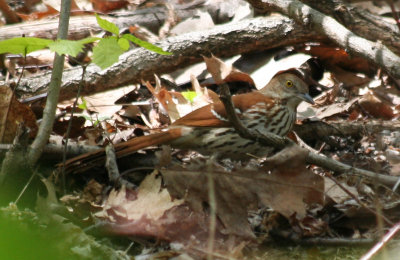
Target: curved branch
{"points": [[224, 40], [312, 19], [276, 141]]}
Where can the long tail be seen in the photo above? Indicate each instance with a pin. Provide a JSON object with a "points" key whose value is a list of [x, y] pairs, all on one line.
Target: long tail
{"points": [[96, 158]]}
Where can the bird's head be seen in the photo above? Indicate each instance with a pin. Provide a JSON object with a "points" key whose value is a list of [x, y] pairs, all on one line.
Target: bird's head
{"points": [[290, 87]]}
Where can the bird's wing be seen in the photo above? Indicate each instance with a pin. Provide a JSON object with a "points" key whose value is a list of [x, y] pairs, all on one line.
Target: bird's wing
{"points": [[214, 115]]}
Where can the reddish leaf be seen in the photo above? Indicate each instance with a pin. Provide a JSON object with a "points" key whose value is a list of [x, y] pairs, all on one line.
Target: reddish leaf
{"points": [[13, 113], [222, 72], [106, 6], [39, 15], [288, 189], [376, 107], [339, 57]]}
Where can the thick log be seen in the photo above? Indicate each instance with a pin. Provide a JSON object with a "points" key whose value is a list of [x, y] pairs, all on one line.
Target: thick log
{"points": [[224, 40], [83, 26], [312, 19]]}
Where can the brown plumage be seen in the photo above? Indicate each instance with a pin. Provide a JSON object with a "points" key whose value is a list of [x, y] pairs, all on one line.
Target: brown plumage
{"points": [[207, 130]]}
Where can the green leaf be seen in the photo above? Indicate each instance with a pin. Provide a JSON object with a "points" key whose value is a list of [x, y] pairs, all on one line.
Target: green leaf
{"points": [[66, 47], [106, 25], [23, 45], [123, 43], [145, 44], [107, 52], [89, 40], [189, 95], [83, 105], [72, 48]]}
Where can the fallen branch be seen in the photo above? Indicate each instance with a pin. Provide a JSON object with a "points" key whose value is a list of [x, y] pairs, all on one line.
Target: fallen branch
{"points": [[281, 142], [151, 18], [317, 129], [358, 20], [139, 64], [384, 240], [321, 241], [313, 20]]}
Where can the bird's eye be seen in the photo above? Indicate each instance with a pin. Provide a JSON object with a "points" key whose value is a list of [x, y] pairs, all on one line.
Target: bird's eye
{"points": [[289, 83]]}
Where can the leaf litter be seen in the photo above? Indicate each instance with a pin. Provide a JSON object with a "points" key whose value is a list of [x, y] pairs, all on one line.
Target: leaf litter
{"points": [[172, 206]]}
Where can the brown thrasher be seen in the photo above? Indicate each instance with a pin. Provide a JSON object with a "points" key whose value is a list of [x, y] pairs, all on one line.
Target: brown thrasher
{"points": [[208, 131]]}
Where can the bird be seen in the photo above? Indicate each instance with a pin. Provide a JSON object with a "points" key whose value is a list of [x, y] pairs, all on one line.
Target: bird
{"points": [[207, 130]]}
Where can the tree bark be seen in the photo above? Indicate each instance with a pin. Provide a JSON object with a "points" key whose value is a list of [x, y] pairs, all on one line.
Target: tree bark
{"points": [[361, 22], [139, 64], [314, 20], [83, 26]]}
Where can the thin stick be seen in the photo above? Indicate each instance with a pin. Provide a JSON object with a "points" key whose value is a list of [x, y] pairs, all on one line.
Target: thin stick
{"points": [[25, 187], [213, 209], [358, 200], [78, 93], [389, 235], [270, 139]]}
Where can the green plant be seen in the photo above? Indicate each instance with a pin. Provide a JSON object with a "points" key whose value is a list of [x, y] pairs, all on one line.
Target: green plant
{"points": [[105, 53]]}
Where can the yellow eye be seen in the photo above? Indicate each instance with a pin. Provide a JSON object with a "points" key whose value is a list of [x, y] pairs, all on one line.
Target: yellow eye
{"points": [[289, 83]]}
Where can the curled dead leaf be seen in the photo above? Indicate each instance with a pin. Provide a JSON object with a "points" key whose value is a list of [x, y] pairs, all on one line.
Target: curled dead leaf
{"points": [[13, 113], [223, 73], [376, 107]]}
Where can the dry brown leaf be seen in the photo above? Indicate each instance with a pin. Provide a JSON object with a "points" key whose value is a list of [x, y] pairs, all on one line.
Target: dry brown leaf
{"points": [[33, 63], [331, 55], [348, 78], [175, 104], [222, 72], [336, 193], [151, 213], [50, 12], [288, 189], [106, 6], [13, 113], [204, 95], [326, 111], [77, 127], [151, 201], [376, 107]]}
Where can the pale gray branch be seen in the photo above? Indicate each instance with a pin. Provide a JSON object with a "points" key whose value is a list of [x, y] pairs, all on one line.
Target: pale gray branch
{"points": [[223, 40], [313, 20]]}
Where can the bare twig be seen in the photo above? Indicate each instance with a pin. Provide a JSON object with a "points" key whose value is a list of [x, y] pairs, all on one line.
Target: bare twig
{"points": [[322, 241], [112, 169], [316, 129], [312, 19], [394, 13], [269, 140], [386, 238], [280, 142], [78, 94], [49, 112], [362, 204]]}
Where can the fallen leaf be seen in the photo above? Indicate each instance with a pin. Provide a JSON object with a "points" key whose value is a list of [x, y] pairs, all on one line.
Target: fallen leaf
{"points": [[175, 104], [150, 212], [13, 113], [332, 55], [336, 193], [288, 189], [223, 73], [376, 107], [50, 12], [324, 112], [151, 201], [106, 6]]}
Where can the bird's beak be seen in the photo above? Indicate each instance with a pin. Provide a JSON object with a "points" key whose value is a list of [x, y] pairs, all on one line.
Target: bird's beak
{"points": [[306, 97]]}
